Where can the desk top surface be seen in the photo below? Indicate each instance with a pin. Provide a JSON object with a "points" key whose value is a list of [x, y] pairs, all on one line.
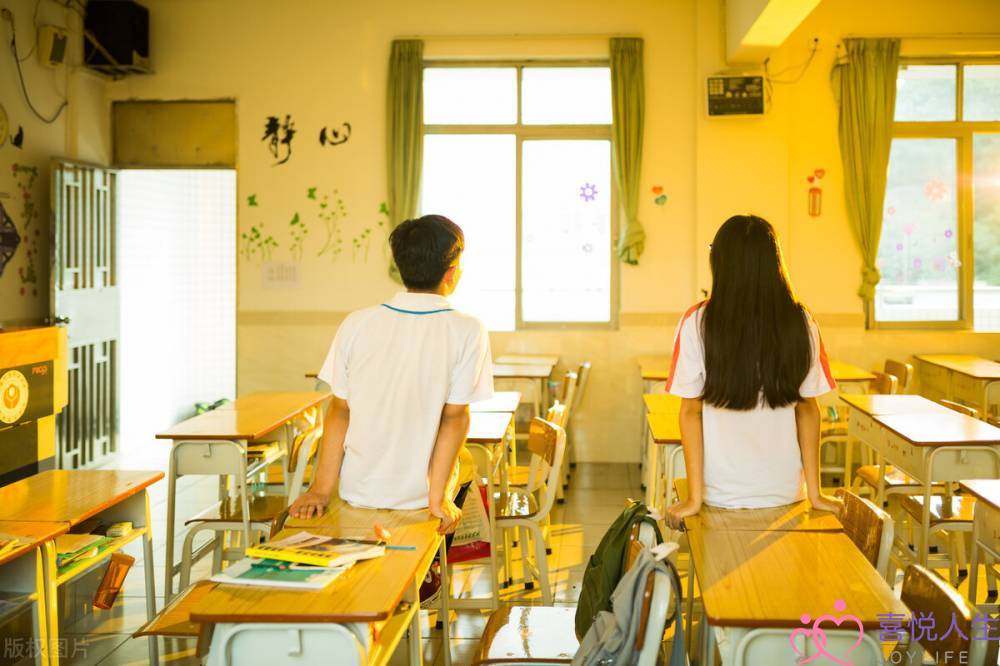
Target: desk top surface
{"points": [[664, 427], [522, 370], [488, 427], [502, 401], [654, 368], [71, 496], [370, 591], [662, 403], [944, 429], [973, 366], [799, 516], [880, 404], [771, 578], [528, 359], [845, 372], [29, 535], [987, 490], [248, 417]]}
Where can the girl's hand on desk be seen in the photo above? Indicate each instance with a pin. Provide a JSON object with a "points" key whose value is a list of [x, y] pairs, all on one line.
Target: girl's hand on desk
{"points": [[827, 503], [677, 512], [449, 515], [309, 504]]}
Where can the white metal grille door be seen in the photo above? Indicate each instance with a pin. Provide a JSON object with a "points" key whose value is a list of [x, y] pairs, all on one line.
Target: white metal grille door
{"points": [[85, 299]]}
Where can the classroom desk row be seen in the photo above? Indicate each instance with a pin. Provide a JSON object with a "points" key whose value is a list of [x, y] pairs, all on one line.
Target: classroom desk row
{"points": [[961, 378], [41, 508], [375, 603], [927, 441]]}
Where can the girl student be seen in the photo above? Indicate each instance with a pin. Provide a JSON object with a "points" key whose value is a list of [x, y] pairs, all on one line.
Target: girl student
{"points": [[748, 364]]}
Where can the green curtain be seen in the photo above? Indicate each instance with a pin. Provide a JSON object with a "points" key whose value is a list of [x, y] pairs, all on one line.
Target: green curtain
{"points": [[404, 117], [865, 86], [628, 109]]}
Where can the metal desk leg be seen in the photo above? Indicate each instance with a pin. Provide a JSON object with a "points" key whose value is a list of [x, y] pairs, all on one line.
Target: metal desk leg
{"points": [[51, 597], [977, 530], [652, 473], [445, 598], [147, 563], [414, 642], [925, 525]]}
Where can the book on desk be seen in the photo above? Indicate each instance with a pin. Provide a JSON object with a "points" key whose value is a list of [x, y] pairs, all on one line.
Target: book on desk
{"points": [[318, 550]]}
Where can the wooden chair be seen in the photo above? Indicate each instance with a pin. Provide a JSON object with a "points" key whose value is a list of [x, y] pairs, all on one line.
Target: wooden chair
{"points": [[870, 528], [253, 644], [925, 593], [903, 372], [547, 635], [960, 408], [520, 510], [263, 511], [582, 379], [571, 387]]}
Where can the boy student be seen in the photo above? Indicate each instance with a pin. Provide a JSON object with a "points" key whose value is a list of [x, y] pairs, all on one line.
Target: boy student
{"points": [[403, 374]]}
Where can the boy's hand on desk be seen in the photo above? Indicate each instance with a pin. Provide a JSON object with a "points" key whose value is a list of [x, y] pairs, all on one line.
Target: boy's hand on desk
{"points": [[309, 504], [678, 511], [448, 513]]}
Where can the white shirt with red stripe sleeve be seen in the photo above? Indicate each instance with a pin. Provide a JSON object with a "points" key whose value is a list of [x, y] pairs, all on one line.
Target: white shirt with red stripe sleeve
{"points": [[751, 458]]}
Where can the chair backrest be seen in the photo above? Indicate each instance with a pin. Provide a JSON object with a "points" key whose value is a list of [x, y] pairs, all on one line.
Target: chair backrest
{"points": [[928, 596], [547, 444], [771, 646], [960, 408], [903, 372], [303, 450], [209, 458], [884, 383], [568, 396], [537, 467], [642, 535], [870, 528], [582, 377], [657, 605]]}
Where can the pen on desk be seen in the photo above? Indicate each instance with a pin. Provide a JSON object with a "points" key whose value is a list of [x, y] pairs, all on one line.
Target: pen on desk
{"points": [[388, 547]]}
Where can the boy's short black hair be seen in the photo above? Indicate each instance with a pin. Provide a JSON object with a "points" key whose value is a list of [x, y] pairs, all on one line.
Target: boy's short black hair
{"points": [[423, 249]]}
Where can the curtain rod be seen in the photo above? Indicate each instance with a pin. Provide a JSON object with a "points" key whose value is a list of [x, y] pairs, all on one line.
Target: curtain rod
{"points": [[519, 36], [935, 35]]}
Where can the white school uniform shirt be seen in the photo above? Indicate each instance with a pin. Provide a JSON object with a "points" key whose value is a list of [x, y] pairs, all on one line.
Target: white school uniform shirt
{"points": [[751, 458], [397, 364]]}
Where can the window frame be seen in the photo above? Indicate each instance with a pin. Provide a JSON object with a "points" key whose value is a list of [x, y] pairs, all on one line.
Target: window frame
{"points": [[534, 132], [962, 131]]}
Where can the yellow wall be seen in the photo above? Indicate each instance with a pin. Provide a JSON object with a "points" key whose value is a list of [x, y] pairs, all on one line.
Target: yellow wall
{"points": [[81, 132], [324, 62]]}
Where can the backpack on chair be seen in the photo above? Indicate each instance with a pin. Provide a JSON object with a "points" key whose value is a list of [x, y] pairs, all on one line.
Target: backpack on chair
{"points": [[606, 566]]}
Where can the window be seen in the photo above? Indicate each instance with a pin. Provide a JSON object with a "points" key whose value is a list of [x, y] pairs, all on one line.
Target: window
{"points": [[939, 253], [519, 156]]}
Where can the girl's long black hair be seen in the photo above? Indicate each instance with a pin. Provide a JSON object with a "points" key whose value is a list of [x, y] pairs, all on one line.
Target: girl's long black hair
{"points": [[757, 340]]}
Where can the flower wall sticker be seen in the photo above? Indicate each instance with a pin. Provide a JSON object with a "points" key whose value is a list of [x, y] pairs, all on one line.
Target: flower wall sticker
{"points": [[25, 177], [588, 191], [661, 198], [9, 239], [936, 190]]}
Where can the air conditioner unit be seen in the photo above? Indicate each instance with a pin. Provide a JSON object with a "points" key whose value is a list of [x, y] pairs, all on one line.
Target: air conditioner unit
{"points": [[735, 95], [116, 37]]}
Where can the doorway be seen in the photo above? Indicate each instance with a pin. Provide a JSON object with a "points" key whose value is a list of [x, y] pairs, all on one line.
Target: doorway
{"points": [[177, 267]]}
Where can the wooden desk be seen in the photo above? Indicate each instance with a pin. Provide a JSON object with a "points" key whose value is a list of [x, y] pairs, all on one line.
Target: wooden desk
{"points": [[985, 526], [873, 404], [797, 517], [661, 403], [962, 378], [502, 401], [845, 373], [23, 578], [66, 498], [538, 373], [249, 418], [371, 591], [529, 359], [929, 443], [769, 579], [663, 432], [654, 369]]}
